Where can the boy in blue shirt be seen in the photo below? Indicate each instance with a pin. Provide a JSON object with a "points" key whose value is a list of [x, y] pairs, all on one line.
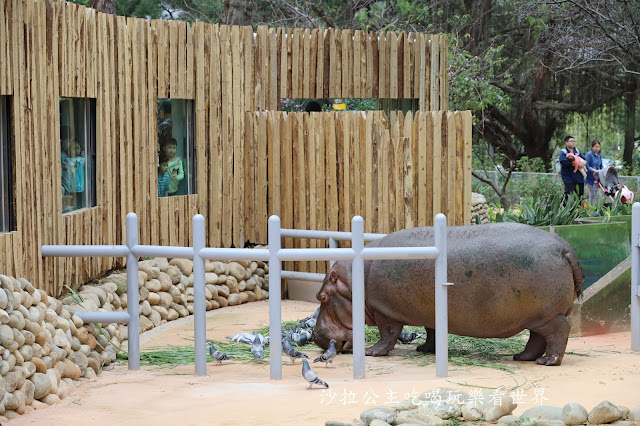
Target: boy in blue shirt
{"points": [[163, 176]]}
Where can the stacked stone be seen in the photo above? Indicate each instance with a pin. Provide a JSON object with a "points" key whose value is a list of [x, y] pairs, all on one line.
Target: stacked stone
{"points": [[167, 293], [443, 406], [479, 208], [44, 348]]}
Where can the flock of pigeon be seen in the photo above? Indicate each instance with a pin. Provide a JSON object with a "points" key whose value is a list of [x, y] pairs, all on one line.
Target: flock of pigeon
{"points": [[300, 334]]}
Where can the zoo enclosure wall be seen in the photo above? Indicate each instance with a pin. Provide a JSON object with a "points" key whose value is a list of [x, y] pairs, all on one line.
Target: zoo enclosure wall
{"points": [[50, 50]]}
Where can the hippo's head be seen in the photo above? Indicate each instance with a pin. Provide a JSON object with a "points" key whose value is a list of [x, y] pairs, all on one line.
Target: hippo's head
{"points": [[335, 319]]}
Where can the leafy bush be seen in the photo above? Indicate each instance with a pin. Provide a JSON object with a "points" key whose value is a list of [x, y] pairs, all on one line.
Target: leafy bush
{"points": [[617, 208], [548, 210], [526, 164]]}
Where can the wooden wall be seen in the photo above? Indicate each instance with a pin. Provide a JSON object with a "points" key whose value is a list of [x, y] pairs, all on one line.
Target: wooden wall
{"points": [[50, 50], [325, 168]]}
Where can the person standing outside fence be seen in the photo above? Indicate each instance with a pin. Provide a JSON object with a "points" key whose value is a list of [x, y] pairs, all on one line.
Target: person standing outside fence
{"points": [[571, 178], [594, 165]]}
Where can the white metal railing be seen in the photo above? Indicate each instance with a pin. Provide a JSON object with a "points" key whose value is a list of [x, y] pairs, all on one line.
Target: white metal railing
{"points": [[378, 254], [635, 278], [274, 255]]}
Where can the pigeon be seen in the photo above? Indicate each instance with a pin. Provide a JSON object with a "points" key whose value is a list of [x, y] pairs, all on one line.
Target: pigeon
{"points": [[248, 338], [301, 337], [328, 355], [256, 346], [405, 337], [292, 352], [216, 354], [310, 376], [310, 321]]}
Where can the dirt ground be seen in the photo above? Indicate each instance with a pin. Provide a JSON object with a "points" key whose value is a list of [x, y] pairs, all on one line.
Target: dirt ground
{"points": [[596, 368]]}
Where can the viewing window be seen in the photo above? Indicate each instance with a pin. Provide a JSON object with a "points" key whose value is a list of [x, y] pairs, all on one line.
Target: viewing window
{"points": [[7, 219], [352, 104], [176, 147], [78, 153]]}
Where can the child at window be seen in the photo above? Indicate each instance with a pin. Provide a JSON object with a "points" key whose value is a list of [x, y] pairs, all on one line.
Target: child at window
{"points": [[175, 169], [77, 162], [163, 175]]}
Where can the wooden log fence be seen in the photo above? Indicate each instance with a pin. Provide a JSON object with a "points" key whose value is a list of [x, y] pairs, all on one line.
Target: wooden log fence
{"points": [[50, 50], [324, 168]]}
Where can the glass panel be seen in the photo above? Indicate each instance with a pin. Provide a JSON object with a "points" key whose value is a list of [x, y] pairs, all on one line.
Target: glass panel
{"points": [[6, 169], [176, 153], [77, 153], [349, 104]]}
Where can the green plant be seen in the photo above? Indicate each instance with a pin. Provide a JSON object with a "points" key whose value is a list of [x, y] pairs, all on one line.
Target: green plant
{"points": [[74, 294], [495, 212], [616, 208], [106, 336], [526, 164], [548, 210]]}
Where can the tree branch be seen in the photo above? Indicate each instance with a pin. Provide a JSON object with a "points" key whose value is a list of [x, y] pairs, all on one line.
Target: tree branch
{"points": [[576, 107], [321, 14]]}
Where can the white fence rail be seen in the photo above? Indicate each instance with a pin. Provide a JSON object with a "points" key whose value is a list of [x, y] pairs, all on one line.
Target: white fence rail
{"points": [[275, 255]]}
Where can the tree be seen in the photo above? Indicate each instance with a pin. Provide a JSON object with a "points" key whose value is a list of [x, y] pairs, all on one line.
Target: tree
{"points": [[106, 6], [613, 36], [238, 12]]}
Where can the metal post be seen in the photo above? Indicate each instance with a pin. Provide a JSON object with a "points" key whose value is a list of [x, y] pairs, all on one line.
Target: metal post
{"points": [[635, 282], [442, 349], [133, 295], [199, 301], [333, 243], [357, 299], [275, 309]]}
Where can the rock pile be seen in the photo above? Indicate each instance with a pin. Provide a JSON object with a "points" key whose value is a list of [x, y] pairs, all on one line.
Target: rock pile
{"points": [[166, 291], [479, 209], [438, 406], [45, 346]]}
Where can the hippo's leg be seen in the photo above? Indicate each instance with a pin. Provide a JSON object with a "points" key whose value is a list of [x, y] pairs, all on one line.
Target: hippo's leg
{"points": [[389, 332], [534, 349], [556, 334], [429, 346]]}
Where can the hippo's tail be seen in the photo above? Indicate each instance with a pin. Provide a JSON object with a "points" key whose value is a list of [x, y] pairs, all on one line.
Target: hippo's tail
{"points": [[578, 273]]}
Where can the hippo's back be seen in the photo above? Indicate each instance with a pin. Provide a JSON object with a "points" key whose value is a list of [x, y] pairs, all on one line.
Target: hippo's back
{"points": [[507, 277]]}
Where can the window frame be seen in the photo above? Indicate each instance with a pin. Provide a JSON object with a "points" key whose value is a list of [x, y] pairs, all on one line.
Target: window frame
{"points": [[190, 151], [89, 130], [7, 177]]}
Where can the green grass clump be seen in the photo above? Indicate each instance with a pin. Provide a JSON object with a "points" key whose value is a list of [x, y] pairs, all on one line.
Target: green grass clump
{"points": [[463, 351], [171, 356]]}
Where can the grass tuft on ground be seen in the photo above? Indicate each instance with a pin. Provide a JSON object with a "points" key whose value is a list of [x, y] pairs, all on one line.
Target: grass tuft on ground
{"points": [[463, 351]]}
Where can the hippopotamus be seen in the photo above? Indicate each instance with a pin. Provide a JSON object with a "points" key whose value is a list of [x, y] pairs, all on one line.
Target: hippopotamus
{"points": [[506, 277]]}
